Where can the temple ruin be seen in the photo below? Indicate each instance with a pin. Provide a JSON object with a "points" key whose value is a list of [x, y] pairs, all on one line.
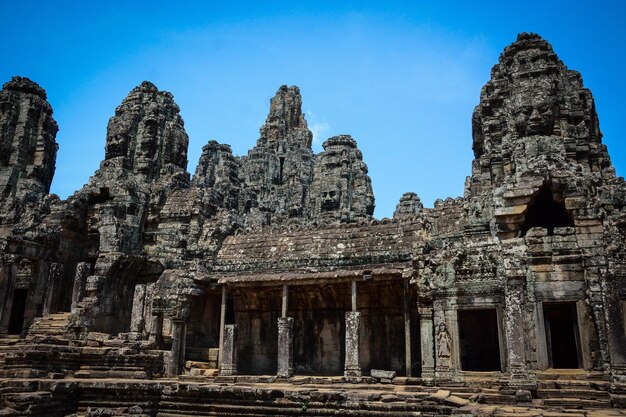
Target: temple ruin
{"points": [[262, 284]]}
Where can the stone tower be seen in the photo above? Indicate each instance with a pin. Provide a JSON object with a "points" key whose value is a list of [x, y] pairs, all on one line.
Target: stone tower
{"points": [[342, 190], [535, 138], [277, 173], [27, 147]]}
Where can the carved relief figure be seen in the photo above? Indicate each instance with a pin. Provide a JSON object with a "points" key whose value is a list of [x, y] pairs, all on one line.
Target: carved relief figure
{"points": [[443, 346]]}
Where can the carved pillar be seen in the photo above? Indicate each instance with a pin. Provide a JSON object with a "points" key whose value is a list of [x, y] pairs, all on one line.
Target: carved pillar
{"points": [[427, 342], [285, 339], [55, 272], [443, 342], [408, 362], [285, 347], [514, 327], [136, 315], [147, 311], [156, 333], [222, 324], [178, 336], [285, 301], [351, 366], [5, 279], [83, 269], [353, 320], [229, 351]]}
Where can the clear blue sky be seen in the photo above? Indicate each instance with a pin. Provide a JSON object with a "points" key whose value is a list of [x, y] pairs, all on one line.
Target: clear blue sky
{"points": [[401, 77]]}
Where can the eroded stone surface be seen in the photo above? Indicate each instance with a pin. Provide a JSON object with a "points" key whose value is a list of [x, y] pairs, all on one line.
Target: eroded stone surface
{"points": [[28, 152]]}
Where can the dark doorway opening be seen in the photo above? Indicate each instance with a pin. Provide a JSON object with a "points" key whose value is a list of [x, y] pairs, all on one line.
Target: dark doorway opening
{"points": [[479, 340], [256, 312], [545, 212], [319, 314], [383, 327], [16, 322], [562, 336]]}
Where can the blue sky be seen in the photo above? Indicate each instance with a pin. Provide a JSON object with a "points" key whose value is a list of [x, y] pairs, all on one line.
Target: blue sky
{"points": [[402, 77]]}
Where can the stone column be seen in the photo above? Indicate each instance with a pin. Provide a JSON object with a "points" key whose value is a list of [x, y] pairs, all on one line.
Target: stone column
{"points": [[352, 367], [177, 346], [515, 329], [83, 269], [156, 332], [222, 324], [229, 351], [444, 347], [427, 342], [285, 347], [52, 288], [148, 321], [136, 315], [408, 362], [5, 291], [285, 301]]}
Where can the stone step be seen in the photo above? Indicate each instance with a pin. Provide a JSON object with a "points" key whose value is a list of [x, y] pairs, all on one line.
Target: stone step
{"points": [[576, 403], [618, 400], [573, 393], [50, 325], [180, 409]]}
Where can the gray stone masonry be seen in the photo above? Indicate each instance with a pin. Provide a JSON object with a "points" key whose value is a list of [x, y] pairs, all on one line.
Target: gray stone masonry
{"points": [[285, 347], [352, 368], [228, 361]]}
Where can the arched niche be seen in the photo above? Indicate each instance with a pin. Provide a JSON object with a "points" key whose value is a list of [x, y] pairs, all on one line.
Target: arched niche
{"points": [[546, 211]]}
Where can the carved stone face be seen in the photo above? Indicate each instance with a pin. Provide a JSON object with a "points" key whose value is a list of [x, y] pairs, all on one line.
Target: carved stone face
{"points": [[117, 145], [330, 200], [146, 145], [535, 116]]}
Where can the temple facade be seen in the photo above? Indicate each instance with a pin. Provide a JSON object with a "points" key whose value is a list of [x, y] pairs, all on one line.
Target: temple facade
{"points": [[271, 264]]}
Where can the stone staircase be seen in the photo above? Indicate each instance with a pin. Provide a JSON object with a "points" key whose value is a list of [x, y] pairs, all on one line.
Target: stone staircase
{"points": [[51, 326], [574, 390], [127, 399], [314, 396], [287, 400], [8, 344], [28, 398]]}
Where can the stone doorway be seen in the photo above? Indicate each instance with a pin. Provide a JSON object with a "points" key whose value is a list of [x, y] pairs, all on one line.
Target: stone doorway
{"points": [[479, 340], [16, 321], [562, 335]]}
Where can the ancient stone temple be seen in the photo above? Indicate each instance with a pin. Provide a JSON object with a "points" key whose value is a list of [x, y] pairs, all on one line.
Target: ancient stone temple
{"points": [[264, 286]]}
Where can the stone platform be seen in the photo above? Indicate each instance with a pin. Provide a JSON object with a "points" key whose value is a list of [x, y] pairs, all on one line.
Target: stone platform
{"points": [[301, 395]]}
